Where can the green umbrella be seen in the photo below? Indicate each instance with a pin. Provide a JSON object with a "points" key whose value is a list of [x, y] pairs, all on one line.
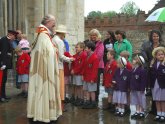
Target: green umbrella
{"points": [[158, 15]]}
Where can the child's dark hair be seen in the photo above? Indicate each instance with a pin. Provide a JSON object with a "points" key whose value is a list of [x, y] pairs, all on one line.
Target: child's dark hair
{"points": [[91, 45], [81, 44], [112, 52], [122, 33]]}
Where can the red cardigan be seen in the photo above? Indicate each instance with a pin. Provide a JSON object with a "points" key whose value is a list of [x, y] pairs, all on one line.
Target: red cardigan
{"points": [[109, 71], [129, 66], [23, 64], [91, 69], [66, 65], [78, 64]]}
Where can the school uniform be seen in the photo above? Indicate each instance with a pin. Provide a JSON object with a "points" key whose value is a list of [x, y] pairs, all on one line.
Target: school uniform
{"points": [[22, 68], [77, 67], [137, 86], [109, 71], [129, 66], [157, 80], [122, 78], [90, 73]]}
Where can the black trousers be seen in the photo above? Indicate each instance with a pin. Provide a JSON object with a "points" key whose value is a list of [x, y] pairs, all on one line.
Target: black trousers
{"points": [[100, 70], [4, 79]]}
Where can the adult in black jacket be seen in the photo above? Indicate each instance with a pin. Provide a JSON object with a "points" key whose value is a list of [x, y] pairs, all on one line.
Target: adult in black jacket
{"points": [[6, 59], [108, 44]]}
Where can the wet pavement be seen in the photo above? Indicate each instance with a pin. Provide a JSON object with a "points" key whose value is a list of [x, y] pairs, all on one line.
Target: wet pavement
{"points": [[14, 112]]}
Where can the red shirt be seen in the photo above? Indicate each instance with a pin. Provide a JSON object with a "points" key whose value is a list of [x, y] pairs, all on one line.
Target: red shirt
{"points": [[23, 64], [78, 64], [91, 69], [66, 65], [109, 71], [129, 66]]}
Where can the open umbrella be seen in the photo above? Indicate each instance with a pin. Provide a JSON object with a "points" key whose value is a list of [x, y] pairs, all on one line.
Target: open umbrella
{"points": [[158, 15]]}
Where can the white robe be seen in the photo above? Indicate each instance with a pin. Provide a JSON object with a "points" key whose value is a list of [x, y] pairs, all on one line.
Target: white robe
{"points": [[44, 102]]}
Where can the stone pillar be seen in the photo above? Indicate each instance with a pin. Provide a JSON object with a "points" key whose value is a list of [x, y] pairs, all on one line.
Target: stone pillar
{"points": [[1, 18], [52, 9], [35, 12], [71, 14]]}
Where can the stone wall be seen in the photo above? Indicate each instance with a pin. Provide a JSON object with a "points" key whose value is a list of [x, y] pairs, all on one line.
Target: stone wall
{"points": [[135, 27], [26, 15]]}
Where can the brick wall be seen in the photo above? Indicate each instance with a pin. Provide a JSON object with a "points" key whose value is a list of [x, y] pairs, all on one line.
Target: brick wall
{"points": [[135, 27]]}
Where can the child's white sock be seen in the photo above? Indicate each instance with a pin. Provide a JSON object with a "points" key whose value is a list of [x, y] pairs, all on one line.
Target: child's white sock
{"points": [[159, 113], [122, 110], [67, 95], [163, 114]]}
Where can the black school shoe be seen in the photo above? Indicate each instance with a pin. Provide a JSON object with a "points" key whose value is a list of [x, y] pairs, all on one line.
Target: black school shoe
{"points": [[66, 100], [162, 119], [122, 114], [157, 118], [135, 115], [91, 105], [117, 113], [3, 100]]}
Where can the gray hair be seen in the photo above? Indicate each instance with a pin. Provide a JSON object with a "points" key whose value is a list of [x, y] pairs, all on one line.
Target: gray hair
{"points": [[47, 18]]}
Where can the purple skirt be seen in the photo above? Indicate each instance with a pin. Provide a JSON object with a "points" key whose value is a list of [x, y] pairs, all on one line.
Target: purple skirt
{"points": [[138, 98], [120, 97], [158, 94]]}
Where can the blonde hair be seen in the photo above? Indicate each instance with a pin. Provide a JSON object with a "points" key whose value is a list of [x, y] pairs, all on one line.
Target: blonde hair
{"points": [[154, 53], [24, 36], [96, 32], [18, 49]]}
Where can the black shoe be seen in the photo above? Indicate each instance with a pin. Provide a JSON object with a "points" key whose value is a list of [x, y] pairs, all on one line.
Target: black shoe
{"points": [[3, 100], [76, 102], [79, 102], [141, 116], [122, 114], [117, 113], [25, 95], [86, 105], [135, 115], [72, 100], [157, 118], [7, 98], [162, 119], [93, 105], [21, 94], [148, 92], [66, 100]]}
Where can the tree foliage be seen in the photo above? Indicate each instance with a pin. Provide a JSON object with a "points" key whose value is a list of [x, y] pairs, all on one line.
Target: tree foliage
{"points": [[94, 14], [109, 14], [129, 8]]}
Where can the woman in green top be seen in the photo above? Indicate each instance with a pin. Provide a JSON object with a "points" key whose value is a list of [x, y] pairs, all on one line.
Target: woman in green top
{"points": [[122, 44]]}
